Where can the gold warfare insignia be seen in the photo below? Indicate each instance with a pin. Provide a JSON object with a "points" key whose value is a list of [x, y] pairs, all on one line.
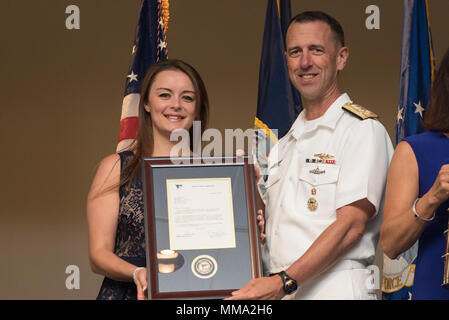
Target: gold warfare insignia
{"points": [[323, 156], [359, 111]]}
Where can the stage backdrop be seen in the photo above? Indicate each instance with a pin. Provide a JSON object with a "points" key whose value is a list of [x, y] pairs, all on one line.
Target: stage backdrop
{"points": [[61, 96]]}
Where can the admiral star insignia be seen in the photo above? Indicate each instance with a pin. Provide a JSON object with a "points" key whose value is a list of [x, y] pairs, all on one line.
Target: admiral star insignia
{"points": [[359, 111]]}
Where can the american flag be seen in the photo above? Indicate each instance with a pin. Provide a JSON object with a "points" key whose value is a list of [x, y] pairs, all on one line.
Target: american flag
{"points": [[149, 47]]}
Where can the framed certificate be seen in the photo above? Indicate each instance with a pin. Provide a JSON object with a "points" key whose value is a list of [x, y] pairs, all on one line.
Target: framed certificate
{"points": [[201, 227]]}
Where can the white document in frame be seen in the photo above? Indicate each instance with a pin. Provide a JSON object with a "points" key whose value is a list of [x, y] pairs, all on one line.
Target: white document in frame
{"points": [[200, 213]]}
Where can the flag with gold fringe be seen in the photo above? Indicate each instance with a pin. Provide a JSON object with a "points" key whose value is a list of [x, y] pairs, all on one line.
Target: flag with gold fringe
{"points": [[278, 102]]}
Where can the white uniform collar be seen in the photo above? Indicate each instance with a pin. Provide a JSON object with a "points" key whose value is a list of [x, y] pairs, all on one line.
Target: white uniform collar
{"points": [[328, 119]]}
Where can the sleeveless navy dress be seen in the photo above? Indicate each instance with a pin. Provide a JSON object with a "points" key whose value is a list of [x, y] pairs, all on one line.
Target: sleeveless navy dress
{"points": [[130, 236], [431, 150]]}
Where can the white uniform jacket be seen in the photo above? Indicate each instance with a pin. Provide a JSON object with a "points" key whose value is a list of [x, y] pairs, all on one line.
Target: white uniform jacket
{"points": [[316, 168]]}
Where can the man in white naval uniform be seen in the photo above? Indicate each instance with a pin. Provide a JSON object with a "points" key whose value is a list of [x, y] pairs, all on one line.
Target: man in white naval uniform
{"points": [[326, 179]]}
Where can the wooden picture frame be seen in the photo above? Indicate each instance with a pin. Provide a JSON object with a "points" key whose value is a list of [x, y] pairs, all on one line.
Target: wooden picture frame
{"points": [[184, 258]]}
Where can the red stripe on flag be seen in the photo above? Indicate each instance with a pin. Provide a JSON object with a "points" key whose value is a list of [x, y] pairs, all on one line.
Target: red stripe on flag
{"points": [[128, 128]]}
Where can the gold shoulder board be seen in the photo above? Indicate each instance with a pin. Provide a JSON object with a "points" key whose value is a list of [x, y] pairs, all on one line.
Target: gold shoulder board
{"points": [[359, 111]]}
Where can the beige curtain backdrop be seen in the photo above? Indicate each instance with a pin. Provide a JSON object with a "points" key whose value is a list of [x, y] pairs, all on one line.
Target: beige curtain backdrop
{"points": [[61, 95]]}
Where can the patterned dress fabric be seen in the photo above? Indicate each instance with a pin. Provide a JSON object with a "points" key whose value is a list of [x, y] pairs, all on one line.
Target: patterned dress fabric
{"points": [[130, 236]]}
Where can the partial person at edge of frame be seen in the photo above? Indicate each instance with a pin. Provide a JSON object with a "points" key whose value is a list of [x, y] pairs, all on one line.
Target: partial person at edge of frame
{"points": [[417, 194]]}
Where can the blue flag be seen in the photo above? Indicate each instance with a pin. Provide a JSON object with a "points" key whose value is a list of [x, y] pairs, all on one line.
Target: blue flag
{"points": [[149, 47], [417, 71], [278, 102]]}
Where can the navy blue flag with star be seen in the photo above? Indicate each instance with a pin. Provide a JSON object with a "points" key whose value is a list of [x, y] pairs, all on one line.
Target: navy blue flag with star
{"points": [[149, 47], [417, 70], [278, 102]]}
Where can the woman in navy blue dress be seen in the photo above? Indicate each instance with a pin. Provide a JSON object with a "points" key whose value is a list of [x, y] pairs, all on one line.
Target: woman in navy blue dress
{"points": [[416, 203], [172, 97]]}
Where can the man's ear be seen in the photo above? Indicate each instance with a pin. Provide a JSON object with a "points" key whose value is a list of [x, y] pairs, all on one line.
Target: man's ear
{"points": [[342, 58]]}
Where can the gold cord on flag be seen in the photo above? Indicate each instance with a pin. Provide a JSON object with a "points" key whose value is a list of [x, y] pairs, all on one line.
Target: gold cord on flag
{"points": [[165, 13]]}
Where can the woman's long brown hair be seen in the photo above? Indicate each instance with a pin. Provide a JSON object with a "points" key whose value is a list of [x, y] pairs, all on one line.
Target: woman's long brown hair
{"points": [[144, 142], [437, 114]]}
